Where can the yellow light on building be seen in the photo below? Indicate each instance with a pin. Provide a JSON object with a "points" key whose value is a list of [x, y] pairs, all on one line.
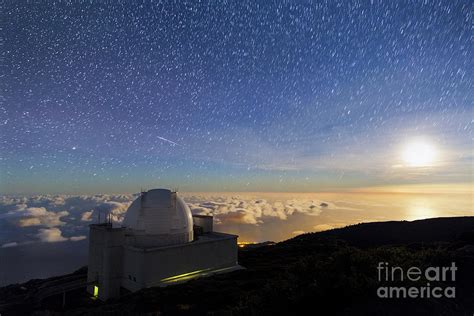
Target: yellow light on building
{"points": [[184, 276], [96, 291]]}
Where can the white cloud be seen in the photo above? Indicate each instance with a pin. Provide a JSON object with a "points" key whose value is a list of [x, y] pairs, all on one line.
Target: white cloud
{"points": [[250, 210], [29, 221], [36, 216], [51, 235], [77, 238], [238, 216], [23, 218], [116, 209], [10, 244], [87, 216]]}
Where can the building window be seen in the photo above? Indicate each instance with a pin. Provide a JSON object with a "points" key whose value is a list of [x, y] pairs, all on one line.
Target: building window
{"points": [[129, 277], [134, 279]]}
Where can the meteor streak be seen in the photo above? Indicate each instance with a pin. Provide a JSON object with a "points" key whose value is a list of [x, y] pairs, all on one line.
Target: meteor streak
{"points": [[169, 141]]}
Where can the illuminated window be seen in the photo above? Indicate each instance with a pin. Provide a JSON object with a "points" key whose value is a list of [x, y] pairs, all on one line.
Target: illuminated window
{"points": [[96, 291]]}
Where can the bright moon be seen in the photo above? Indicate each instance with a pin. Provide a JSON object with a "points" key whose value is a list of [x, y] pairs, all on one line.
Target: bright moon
{"points": [[419, 154]]}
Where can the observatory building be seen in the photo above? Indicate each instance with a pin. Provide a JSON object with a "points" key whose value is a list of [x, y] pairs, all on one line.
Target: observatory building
{"points": [[160, 243]]}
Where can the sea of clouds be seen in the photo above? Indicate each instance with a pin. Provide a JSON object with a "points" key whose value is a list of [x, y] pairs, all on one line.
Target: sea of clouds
{"points": [[46, 235], [59, 218]]}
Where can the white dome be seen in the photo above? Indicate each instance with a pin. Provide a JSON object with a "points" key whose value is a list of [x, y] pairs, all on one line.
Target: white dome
{"points": [[159, 217]]}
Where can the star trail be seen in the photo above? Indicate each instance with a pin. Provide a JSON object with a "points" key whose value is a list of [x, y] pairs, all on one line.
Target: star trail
{"points": [[233, 95]]}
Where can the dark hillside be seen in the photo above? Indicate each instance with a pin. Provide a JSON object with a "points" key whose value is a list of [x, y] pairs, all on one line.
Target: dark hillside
{"points": [[441, 229]]}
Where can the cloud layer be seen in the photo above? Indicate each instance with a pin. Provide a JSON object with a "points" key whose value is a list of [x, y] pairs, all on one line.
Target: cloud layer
{"points": [[248, 210], [253, 216], [55, 218], [60, 218]]}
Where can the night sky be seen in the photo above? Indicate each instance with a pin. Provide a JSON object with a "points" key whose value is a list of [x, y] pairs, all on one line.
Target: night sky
{"points": [[244, 95]]}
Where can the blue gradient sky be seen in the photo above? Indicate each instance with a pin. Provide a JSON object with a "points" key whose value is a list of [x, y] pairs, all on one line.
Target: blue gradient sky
{"points": [[234, 96]]}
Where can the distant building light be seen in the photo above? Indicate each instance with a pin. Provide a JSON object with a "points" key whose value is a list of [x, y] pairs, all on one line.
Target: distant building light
{"points": [[243, 244], [96, 291]]}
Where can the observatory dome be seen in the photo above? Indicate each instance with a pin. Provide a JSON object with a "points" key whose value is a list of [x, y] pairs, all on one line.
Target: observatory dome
{"points": [[158, 217]]}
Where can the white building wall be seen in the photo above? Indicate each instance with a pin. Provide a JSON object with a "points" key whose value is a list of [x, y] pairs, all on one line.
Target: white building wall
{"points": [[94, 268], [150, 266], [113, 263], [139, 240], [105, 260], [132, 276]]}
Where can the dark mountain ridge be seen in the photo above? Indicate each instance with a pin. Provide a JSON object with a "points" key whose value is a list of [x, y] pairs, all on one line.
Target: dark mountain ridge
{"points": [[372, 234]]}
